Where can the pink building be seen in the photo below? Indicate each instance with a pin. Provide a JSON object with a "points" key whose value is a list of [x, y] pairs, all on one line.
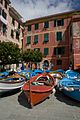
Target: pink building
{"points": [[57, 37]]}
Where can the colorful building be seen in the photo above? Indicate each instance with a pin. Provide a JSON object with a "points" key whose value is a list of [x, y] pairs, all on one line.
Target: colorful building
{"points": [[11, 25], [57, 37]]}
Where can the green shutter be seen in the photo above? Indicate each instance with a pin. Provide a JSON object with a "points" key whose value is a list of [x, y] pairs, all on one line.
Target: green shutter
{"points": [[56, 51], [28, 39], [45, 51], [35, 38], [59, 36], [29, 27], [36, 26], [46, 37]]}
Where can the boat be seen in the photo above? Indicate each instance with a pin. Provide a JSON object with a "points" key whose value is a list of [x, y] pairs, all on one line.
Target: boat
{"points": [[38, 88], [3, 74], [12, 82], [72, 74], [57, 76], [30, 73], [70, 87]]}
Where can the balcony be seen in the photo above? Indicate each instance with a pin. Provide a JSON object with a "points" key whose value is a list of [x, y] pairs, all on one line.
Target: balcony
{"points": [[3, 20]]}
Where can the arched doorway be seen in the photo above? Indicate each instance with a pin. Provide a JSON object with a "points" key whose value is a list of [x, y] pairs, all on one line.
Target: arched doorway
{"points": [[46, 64]]}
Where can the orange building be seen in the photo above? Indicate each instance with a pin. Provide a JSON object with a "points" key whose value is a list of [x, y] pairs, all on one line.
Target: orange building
{"points": [[57, 37]]}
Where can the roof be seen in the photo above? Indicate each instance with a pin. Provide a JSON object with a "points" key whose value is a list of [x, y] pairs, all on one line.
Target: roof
{"points": [[8, 1], [15, 14], [51, 17], [13, 11]]}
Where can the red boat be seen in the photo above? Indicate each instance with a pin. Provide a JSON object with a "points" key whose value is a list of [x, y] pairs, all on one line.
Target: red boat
{"points": [[38, 88]]}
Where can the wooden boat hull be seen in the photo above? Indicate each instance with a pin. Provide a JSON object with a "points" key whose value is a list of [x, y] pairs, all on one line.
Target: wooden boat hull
{"points": [[37, 94], [38, 88]]}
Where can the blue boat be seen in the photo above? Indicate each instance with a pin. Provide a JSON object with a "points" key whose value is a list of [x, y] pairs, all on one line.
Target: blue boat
{"points": [[3, 74], [72, 74], [30, 73], [70, 87]]}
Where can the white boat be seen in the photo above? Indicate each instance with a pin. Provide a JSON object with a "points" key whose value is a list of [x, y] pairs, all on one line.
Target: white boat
{"points": [[11, 83]]}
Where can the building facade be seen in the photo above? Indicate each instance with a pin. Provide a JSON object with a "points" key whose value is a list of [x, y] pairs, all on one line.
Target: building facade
{"points": [[10, 23], [56, 38]]}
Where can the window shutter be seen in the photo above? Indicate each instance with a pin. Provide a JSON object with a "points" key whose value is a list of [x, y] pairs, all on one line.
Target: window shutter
{"points": [[35, 38], [29, 27], [36, 26], [28, 39], [46, 37], [45, 51], [59, 36]]}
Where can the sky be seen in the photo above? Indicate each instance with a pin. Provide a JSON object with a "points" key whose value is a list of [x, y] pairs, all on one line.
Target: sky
{"points": [[31, 9]]}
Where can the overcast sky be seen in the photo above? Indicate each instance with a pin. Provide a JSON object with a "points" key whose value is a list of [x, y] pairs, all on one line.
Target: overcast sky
{"points": [[30, 9]]}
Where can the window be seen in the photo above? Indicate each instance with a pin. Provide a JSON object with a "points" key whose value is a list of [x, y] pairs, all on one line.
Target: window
{"points": [[5, 4], [45, 51], [59, 50], [46, 24], [12, 33], [46, 37], [59, 22], [59, 62], [28, 39], [19, 25], [79, 43], [4, 28], [71, 30], [36, 49], [59, 36], [1, 1], [35, 38], [4, 14], [13, 21], [36, 26], [29, 27], [0, 11], [71, 48], [17, 34]]}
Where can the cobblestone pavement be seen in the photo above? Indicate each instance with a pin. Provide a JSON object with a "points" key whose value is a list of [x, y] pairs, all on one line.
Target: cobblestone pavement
{"points": [[14, 106]]}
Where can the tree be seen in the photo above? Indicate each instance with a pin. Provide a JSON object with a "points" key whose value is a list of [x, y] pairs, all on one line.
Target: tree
{"points": [[9, 53], [32, 56]]}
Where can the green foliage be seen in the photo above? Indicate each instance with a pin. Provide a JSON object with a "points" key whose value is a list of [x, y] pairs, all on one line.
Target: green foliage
{"points": [[9, 53], [32, 56]]}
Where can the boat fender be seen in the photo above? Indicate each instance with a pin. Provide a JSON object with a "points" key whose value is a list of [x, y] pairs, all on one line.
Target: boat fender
{"points": [[68, 89], [60, 89], [71, 89], [54, 90]]}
